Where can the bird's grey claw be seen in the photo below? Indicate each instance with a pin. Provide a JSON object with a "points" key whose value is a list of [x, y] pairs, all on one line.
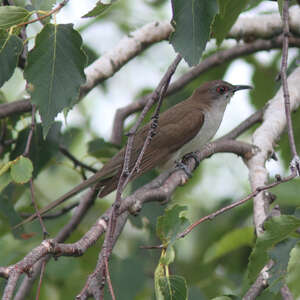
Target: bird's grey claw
{"points": [[194, 156], [180, 165]]}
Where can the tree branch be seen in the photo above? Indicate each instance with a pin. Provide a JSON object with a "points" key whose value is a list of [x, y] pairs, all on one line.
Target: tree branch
{"points": [[265, 137], [285, 48]]}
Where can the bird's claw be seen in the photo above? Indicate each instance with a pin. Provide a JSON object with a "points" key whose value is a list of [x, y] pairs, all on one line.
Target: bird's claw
{"points": [[180, 165], [194, 156]]}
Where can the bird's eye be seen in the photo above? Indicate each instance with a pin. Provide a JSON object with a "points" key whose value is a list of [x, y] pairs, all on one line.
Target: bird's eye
{"points": [[222, 89]]}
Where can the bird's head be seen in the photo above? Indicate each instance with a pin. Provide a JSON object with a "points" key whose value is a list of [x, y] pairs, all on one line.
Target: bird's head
{"points": [[219, 90]]}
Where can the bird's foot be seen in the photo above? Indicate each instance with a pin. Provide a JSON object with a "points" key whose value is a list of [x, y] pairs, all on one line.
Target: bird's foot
{"points": [[181, 166], [194, 156]]}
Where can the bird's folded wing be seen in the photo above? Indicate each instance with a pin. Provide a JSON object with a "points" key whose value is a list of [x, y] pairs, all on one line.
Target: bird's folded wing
{"points": [[169, 138]]}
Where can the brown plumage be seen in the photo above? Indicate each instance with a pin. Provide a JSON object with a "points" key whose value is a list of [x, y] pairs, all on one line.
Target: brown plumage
{"points": [[183, 128], [174, 130]]}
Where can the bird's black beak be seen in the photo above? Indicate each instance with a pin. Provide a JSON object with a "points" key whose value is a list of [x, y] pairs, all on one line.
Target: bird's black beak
{"points": [[241, 87]]}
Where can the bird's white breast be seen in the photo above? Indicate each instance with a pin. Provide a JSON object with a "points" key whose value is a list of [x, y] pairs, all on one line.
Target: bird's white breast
{"points": [[212, 122]]}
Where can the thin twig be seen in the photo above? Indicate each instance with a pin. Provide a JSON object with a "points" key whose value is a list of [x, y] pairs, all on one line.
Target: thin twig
{"points": [[76, 162], [41, 280], [45, 232], [237, 203], [53, 11], [111, 290], [30, 135], [56, 214], [285, 46], [26, 154]]}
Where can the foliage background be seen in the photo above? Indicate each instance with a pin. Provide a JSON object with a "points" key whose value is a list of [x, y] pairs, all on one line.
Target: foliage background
{"points": [[214, 257]]}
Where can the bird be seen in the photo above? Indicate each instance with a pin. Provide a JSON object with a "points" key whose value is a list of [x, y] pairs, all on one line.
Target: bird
{"points": [[183, 128]]}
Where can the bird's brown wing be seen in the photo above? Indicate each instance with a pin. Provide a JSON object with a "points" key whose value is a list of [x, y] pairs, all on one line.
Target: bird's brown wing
{"points": [[171, 137], [172, 133]]}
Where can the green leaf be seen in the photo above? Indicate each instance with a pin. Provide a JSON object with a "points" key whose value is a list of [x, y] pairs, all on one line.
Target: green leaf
{"points": [[173, 287], [55, 71], [276, 230], [41, 150], [130, 285], [229, 10], [192, 21], [280, 256], [5, 178], [10, 48], [98, 10], [21, 170], [263, 79], [102, 149], [231, 241], [7, 210], [12, 15], [43, 5], [171, 223]]}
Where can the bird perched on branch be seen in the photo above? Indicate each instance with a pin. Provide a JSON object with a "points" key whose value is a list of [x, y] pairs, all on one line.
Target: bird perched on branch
{"points": [[184, 128]]}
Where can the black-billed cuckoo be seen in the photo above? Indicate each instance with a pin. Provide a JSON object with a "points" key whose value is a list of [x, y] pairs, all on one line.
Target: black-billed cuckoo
{"points": [[185, 127]]}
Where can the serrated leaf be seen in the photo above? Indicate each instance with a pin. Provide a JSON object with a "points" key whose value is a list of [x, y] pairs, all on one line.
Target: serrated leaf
{"points": [[229, 242], [10, 48], [21, 170], [12, 15], [170, 224], [102, 149], [192, 21], [173, 287], [280, 256], [276, 230], [41, 150], [98, 10], [229, 10], [55, 71]]}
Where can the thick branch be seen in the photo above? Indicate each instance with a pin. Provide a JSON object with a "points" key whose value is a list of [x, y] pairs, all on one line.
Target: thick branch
{"points": [[265, 138], [264, 26], [286, 95]]}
